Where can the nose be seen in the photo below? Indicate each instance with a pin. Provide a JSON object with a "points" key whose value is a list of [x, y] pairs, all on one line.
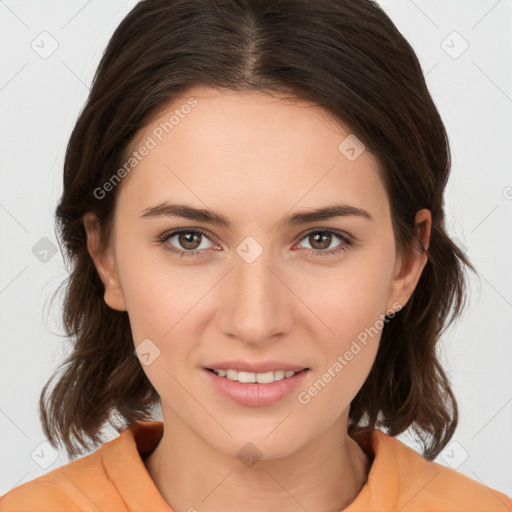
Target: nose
{"points": [[257, 305]]}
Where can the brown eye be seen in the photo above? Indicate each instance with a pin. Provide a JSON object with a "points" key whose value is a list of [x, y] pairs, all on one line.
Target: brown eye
{"points": [[185, 242], [190, 240], [320, 240]]}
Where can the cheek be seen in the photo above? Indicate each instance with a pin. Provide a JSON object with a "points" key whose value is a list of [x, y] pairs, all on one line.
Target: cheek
{"points": [[352, 303], [352, 297], [158, 293]]}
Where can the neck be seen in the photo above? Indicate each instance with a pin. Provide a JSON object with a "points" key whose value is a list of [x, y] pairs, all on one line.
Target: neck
{"points": [[325, 475]]}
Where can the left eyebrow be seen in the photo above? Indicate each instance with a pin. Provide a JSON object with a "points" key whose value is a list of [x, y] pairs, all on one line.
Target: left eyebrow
{"points": [[302, 217], [329, 212]]}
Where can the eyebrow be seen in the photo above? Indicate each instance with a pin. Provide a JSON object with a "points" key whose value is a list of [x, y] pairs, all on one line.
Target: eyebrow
{"points": [[302, 217]]}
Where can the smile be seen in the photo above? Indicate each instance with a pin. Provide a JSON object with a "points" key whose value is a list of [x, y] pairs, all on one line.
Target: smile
{"points": [[251, 377], [253, 389]]}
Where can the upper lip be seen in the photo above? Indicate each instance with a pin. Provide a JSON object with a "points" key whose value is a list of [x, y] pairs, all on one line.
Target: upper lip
{"points": [[255, 367]]}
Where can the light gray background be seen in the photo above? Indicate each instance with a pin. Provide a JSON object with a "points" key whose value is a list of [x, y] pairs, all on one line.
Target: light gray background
{"points": [[40, 99]]}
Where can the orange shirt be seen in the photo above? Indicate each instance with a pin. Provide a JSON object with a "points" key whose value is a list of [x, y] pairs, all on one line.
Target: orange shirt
{"points": [[114, 478]]}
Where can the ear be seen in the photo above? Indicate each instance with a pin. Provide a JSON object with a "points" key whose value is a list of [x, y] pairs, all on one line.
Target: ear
{"points": [[408, 269], [104, 261]]}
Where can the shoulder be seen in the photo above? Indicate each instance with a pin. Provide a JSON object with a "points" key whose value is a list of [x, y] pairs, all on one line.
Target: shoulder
{"points": [[112, 478], [443, 488], [38, 495], [73, 486], [427, 485]]}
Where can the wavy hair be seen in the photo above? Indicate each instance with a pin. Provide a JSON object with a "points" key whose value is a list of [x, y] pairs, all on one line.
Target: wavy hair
{"points": [[346, 56]]}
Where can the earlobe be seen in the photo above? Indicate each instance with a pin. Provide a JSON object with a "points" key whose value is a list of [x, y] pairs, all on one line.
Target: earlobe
{"points": [[408, 269], [104, 262]]}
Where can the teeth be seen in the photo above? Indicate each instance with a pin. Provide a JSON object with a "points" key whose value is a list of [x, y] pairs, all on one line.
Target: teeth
{"points": [[261, 378]]}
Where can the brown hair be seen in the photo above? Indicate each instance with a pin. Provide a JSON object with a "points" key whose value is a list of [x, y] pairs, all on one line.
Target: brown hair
{"points": [[343, 55]]}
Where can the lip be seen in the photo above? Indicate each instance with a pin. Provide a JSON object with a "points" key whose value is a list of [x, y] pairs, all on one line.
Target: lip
{"points": [[254, 394], [256, 367]]}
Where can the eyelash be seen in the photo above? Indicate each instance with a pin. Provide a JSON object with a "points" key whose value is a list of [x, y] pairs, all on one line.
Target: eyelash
{"points": [[346, 242]]}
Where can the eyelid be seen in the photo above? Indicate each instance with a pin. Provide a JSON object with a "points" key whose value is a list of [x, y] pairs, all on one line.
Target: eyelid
{"points": [[346, 240], [173, 232], [337, 232]]}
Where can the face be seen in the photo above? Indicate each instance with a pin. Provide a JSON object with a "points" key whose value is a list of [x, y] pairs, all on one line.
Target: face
{"points": [[258, 288]]}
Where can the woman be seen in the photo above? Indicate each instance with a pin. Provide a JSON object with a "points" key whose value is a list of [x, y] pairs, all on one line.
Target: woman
{"points": [[253, 212]]}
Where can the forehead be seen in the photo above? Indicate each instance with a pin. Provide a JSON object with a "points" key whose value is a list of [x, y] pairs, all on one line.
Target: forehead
{"points": [[220, 148]]}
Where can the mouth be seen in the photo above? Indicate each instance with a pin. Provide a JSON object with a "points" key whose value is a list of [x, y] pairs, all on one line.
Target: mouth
{"points": [[254, 389], [254, 377]]}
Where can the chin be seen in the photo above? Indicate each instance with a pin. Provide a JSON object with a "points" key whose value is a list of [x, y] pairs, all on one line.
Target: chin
{"points": [[261, 446]]}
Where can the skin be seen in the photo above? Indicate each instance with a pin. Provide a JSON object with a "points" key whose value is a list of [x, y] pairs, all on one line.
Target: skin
{"points": [[255, 159]]}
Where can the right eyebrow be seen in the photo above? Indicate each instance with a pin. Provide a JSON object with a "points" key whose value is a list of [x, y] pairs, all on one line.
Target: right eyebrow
{"points": [[188, 212]]}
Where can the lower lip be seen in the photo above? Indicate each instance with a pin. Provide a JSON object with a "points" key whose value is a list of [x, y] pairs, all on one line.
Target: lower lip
{"points": [[254, 394]]}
